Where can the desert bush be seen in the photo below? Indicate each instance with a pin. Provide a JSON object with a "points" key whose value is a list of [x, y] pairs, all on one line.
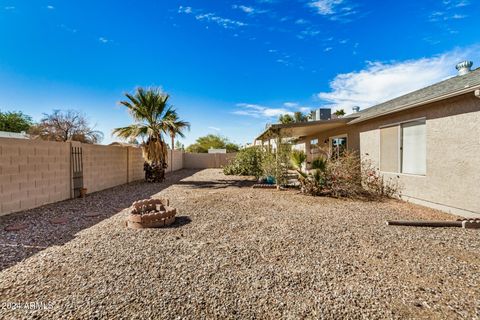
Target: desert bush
{"points": [[346, 176], [247, 162], [376, 184]]}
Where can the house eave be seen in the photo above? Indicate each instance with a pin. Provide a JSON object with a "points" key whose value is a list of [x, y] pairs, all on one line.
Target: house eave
{"points": [[417, 104], [288, 129]]}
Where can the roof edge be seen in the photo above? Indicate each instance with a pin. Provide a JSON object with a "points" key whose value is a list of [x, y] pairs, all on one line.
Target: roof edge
{"points": [[306, 123], [417, 104]]}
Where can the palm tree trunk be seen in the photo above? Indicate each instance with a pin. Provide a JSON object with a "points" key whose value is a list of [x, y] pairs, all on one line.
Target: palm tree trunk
{"points": [[171, 153]]}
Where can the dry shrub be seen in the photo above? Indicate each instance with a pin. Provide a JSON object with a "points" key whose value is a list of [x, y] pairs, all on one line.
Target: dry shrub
{"points": [[347, 176]]}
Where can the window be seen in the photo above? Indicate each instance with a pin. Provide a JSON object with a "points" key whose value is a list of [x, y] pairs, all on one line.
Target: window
{"points": [[403, 148], [314, 142], [390, 149], [338, 145], [414, 147]]}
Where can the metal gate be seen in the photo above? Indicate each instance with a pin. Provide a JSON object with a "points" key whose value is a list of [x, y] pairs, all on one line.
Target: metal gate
{"points": [[77, 171]]}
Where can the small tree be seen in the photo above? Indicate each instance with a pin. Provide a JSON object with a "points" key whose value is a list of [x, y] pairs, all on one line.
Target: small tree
{"points": [[247, 162], [285, 119], [67, 125], [299, 117], [179, 145], [339, 113], [15, 121], [212, 141]]}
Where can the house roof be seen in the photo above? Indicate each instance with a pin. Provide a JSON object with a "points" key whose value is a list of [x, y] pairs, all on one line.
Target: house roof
{"points": [[439, 91], [445, 89], [17, 135]]}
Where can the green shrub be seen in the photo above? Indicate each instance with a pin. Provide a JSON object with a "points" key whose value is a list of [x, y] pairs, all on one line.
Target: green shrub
{"points": [[247, 162], [297, 158]]}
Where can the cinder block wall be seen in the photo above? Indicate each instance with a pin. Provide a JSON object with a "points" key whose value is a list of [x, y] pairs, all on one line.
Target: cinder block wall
{"points": [[206, 160], [104, 166], [33, 173], [135, 164], [178, 156]]}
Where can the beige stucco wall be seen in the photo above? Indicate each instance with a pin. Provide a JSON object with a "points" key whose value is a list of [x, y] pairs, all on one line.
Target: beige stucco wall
{"points": [[452, 180], [32, 173]]}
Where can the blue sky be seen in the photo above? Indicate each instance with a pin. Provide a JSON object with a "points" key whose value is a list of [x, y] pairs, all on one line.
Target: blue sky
{"points": [[230, 66]]}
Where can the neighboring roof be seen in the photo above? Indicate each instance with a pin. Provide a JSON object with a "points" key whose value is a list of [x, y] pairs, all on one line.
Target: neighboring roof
{"points": [[439, 91], [299, 129], [123, 144], [16, 135]]}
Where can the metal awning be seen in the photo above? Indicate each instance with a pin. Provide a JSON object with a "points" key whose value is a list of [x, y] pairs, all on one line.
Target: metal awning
{"points": [[302, 129]]}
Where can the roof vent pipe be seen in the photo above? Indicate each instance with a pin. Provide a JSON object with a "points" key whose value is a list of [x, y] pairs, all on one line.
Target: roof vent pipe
{"points": [[464, 67], [356, 109]]}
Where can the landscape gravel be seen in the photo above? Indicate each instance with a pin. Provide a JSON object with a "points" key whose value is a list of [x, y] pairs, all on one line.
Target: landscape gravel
{"points": [[236, 253]]}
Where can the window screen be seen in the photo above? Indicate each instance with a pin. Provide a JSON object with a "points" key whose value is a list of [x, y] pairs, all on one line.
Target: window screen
{"points": [[414, 147], [390, 149]]}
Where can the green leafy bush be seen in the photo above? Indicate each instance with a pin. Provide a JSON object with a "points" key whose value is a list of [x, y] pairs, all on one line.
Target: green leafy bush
{"points": [[298, 158], [247, 162]]}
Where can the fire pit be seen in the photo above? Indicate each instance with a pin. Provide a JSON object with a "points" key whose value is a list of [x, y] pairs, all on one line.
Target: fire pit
{"points": [[150, 213]]}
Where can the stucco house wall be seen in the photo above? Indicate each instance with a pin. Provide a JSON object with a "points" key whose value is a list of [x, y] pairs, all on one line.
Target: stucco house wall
{"points": [[452, 180]]}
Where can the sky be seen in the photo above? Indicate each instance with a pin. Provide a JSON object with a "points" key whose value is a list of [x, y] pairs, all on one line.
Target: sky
{"points": [[230, 67]]}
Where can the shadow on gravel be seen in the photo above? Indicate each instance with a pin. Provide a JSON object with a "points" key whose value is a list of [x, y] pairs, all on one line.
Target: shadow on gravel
{"points": [[217, 184], [179, 222], [57, 223]]}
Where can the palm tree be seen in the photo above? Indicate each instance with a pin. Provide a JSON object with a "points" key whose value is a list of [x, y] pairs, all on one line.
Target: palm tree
{"points": [[154, 118], [176, 129]]}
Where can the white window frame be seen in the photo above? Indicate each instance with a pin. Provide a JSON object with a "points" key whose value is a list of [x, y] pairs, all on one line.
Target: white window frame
{"points": [[400, 143]]}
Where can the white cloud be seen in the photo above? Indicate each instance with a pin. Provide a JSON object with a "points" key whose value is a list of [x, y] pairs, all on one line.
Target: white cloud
{"points": [[104, 40], [186, 10], [380, 82], [301, 21], [50, 7], [336, 10], [327, 49], [212, 18], [223, 22], [244, 8], [305, 109], [9, 8], [215, 128], [290, 104], [257, 111], [325, 7]]}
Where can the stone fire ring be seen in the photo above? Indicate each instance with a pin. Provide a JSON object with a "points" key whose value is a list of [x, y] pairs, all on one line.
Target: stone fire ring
{"points": [[150, 213]]}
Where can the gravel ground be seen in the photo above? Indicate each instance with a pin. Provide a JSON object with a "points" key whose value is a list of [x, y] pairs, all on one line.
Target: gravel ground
{"points": [[238, 252]]}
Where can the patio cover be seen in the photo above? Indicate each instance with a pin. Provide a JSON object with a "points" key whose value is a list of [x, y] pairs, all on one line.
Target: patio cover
{"points": [[298, 130]]}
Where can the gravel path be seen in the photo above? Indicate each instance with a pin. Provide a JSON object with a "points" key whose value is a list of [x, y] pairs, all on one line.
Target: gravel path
{"points": [[238, 252]]}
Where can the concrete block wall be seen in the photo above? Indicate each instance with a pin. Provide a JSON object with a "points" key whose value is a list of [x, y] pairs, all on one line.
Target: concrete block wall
{"points": [[135, 164], [104, 166], [35, 172], [32, 173], [206, 160], [178, 156]]}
